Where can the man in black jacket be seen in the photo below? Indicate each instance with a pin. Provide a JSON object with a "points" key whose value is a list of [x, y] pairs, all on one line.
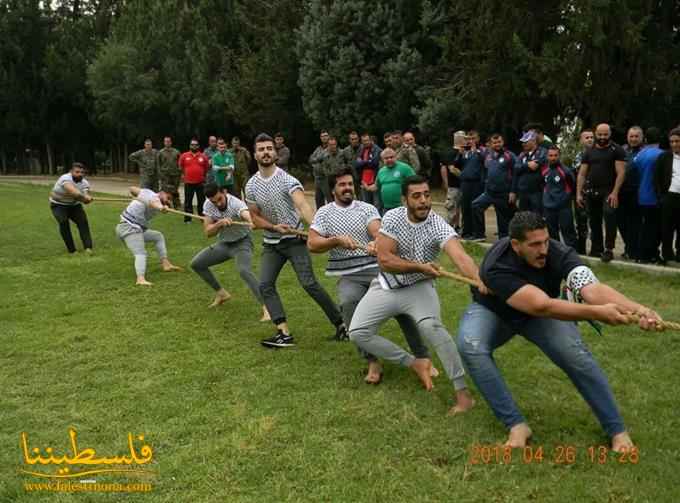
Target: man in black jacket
{"points": [[667, 183]]}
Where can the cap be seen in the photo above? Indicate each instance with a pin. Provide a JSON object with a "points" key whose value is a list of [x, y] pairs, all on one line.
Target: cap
{"points": [[528, 136]]}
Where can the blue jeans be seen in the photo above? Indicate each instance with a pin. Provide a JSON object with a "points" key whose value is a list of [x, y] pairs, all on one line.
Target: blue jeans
{"points": [[481, 331]]}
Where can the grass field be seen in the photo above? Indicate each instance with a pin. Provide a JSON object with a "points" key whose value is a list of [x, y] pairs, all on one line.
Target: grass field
{"points": [[228, 420]]}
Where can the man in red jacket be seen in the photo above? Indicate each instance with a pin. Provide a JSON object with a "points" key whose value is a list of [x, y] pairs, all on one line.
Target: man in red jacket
{"points": [[194, 166]]}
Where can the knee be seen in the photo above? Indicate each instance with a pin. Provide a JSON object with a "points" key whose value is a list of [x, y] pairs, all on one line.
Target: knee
{"points": [[267, 288], [195, 265], [311, 285]]}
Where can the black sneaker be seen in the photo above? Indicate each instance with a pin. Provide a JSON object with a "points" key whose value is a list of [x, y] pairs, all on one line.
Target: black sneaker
{"points": [[607, 256], [341, 334], [280, 340]]}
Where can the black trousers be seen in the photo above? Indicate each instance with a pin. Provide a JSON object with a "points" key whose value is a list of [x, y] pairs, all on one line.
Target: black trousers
{"points": [[581, 218], [76, 213], [472, 228], [189, 190], [504, 212], [531, 201], [599, 210], [649, 235], [670, 220], [561, 220], [628, 221]]}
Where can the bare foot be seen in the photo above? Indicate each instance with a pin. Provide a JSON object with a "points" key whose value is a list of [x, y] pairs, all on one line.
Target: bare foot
{"points": [[143, 282], [434, 372], [464, 402], [167, 266], [621, 442], [220, 298], [519, 436], [374, 375], [423, 368], [265, 314]]}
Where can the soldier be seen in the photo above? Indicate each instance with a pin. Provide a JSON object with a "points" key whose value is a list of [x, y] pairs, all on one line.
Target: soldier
{"points": [[146, 161], [169, 171], [424, 158], [282, 152], [242, 157], [404, 152], [351, 151], [333, 162], [321, 193]]}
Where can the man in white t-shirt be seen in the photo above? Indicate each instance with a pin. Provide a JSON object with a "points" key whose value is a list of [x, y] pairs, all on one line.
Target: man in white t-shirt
{"points": [[134, 231], [223, 213], [409, 241]]}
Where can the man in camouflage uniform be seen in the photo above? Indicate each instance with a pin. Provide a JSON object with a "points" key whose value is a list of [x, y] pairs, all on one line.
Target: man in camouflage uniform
{"points": [[404, 152], [332, 163], [146, 161], [351, 151], [321, 191], [424, 158], [242, 157], [169, 172]]}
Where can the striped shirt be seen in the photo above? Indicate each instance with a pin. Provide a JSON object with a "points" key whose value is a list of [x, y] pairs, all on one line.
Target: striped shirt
{"points": [[139, 212], [417, 242], [61, 196], [273, 197], [233, 210], [332, 220]]}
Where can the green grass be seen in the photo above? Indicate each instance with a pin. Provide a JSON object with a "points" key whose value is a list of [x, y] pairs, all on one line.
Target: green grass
{"points": [[230, 421]]}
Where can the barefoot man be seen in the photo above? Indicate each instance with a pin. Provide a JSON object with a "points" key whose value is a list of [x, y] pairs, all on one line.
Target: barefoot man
{"points": [[221, 210], [409, 240], [134, 231], [524, 271], [347, 228]]}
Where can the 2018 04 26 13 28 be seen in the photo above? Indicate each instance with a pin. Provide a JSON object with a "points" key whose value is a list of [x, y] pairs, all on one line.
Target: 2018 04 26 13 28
{"points": [[559, 454]]}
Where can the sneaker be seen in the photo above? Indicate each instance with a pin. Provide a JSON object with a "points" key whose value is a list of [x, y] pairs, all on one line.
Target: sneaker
{"points": [[607, 256], [340, 333], [280, 340]]}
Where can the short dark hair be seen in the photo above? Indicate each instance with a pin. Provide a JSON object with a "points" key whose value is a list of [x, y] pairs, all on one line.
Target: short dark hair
{"points": [[353, 131], [211, 190], [366, 133], [586, 130], [261, 138], [278, 135], [323, 131], [496, 135], [396, 132], [331, 137], [523, 222], [79, 165], [412, 180], [388, 133], [653, 134], [333, 177], [674, 132], [554, 147], [221, 140]]}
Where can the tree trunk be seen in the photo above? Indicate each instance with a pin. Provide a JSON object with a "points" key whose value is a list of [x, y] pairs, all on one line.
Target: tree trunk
{"points": [[50, 157], [125, 158], [3, 161]]}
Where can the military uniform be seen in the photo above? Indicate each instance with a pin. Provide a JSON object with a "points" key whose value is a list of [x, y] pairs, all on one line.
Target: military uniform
{"points": [[331, 163], [242, 157], [170, 173], [409, 156], [147, 162], [350, 155]]}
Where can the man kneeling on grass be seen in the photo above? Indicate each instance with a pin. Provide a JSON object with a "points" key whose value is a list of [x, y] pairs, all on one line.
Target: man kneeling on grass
{"points": [[524, 271]]}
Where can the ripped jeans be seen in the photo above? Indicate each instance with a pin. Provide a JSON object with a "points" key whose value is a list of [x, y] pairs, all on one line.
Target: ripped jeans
{"points": [[481, 331]]}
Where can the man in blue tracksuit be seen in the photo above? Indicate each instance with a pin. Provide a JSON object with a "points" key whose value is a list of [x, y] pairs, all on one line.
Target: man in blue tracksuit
{"points": [[528, 181], [558, 193], [472, 177], [499, 165], [643, 165]]}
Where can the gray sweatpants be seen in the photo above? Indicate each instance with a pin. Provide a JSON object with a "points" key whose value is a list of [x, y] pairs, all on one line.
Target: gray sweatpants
{"points": [[135, 242], [351, 289], [241, 250], [274, 257], [420, 302]]}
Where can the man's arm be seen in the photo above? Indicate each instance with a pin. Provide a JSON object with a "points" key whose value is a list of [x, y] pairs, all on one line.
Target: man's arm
{"points": [[599, 294], [316, 243], [613, 198], [302, 206], [76, 194], [211, 226], [462, 260], [535, 302], [389, 261], [134, 191], [258, 220], [581, 183]]}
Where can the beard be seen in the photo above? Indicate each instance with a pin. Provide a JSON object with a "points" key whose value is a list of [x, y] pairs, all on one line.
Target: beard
{"points": [[266, 161]]}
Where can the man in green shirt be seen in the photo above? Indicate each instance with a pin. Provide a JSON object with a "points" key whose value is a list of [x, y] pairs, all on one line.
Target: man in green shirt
{"points": [[242, 158], [390, 178], [169, 171], [223, 167]]}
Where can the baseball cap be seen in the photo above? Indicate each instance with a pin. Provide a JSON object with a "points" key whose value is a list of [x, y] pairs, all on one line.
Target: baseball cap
{"points": [[528, 136]]}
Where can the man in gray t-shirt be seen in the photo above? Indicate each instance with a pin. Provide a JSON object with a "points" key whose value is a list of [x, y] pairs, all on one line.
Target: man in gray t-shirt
{"points": [[409, 241], [68, 192], [227, 217]]}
